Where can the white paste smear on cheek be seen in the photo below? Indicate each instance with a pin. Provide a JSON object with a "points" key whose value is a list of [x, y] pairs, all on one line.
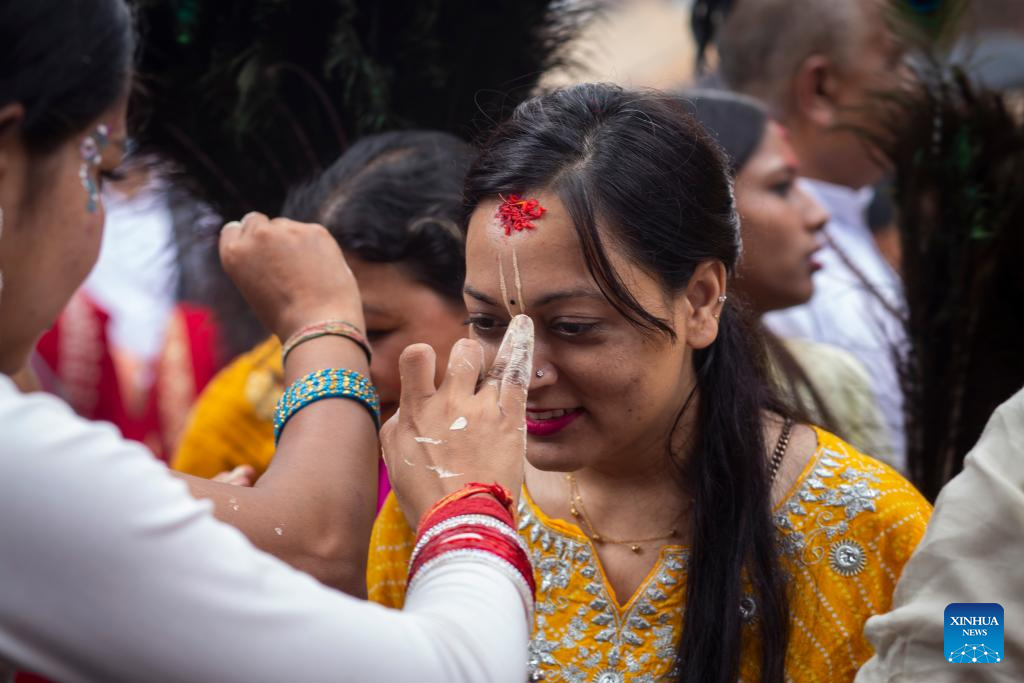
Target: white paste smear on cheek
{"points": [[279, 531], [460, 423], [409, 462], [427, 439], [442, 473]]}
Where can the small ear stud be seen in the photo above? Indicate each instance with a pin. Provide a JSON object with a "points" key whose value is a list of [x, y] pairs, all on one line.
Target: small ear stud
{"points": [[722, 298], [539, 373]]}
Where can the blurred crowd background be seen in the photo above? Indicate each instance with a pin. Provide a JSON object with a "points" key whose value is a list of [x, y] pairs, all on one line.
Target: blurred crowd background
{"points": [[240, 101]]}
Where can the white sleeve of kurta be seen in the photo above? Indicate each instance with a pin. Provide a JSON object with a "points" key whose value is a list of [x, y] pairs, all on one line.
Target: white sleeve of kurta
{"points": [[111, 571], [971, 552]]}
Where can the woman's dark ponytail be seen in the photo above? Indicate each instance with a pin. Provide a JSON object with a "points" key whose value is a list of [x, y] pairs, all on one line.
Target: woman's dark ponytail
{"points": [[734, 539]]}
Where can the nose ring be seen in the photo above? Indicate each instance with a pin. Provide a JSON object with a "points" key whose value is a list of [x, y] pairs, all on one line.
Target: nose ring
{"points": [[539, 373]]}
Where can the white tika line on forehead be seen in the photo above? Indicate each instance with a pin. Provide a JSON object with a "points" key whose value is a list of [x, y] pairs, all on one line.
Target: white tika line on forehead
{"points": [[519, 282], [503, 285], [504, 288]]}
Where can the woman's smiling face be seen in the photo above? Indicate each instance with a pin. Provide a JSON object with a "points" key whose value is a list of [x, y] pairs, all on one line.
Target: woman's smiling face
{"points": [[608, 390]]}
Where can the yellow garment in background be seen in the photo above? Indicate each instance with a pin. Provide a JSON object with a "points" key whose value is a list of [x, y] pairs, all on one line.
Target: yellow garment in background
{"points": [[232, 423], [847, 528]]}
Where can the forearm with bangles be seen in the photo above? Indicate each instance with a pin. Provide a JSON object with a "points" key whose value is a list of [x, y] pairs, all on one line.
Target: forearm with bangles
{"points": [[315, 505], [475, 523]]}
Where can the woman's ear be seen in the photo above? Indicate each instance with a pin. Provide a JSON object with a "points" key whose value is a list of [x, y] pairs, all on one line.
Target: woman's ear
{"points": [[703, 303]]}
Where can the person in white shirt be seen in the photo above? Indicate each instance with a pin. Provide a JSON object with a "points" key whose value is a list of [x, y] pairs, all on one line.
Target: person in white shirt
{"points": [[110, 568], [816, 64]]}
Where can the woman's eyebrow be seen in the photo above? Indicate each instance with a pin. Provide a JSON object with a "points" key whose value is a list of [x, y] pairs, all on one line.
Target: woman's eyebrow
{"points": [[469, 290], [578, 293]]}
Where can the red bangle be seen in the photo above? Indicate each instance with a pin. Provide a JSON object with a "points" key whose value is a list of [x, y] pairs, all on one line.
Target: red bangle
{"points": [[499, 493], [476, 537], [498, 547], [461, 521], [480, 557], [477, 505], [476, 520]]}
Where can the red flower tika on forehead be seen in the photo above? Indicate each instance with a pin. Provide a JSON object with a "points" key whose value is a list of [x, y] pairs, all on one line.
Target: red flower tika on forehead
{"points": [[517, 213]]}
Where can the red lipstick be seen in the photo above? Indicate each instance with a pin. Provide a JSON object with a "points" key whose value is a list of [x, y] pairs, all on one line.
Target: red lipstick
{"points": [[552, 425]]}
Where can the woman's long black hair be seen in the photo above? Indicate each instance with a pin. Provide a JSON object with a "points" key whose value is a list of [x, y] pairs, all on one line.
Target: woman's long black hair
{"points": [[392, 197], [636, 171], [395, 198], [65, 62]]}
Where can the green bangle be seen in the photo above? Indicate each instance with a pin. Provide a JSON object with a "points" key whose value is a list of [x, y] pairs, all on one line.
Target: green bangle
{"points": [[328, 383]]}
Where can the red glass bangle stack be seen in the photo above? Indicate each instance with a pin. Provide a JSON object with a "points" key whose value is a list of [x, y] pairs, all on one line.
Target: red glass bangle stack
{"points": [[475, 521]]}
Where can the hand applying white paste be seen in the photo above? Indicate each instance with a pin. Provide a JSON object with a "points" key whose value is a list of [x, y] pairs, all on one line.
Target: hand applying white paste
{"points": [[482, 420]]}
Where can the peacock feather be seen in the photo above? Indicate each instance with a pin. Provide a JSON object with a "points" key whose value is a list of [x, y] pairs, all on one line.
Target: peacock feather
{"points": [[958, 157]]}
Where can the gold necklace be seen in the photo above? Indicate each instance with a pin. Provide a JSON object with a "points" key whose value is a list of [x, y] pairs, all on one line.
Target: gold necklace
{"points": [[580, 513]]}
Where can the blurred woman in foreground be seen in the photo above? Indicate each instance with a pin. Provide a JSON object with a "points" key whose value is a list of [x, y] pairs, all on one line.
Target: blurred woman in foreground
{"points": [[97, 536]]}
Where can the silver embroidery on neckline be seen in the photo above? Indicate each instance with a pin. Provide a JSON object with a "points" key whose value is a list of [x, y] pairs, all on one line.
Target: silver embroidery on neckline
{"points": [[555, 558], [838, 493], [806, 536]]}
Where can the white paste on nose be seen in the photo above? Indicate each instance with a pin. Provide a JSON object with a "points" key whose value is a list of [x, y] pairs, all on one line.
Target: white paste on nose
{"points": [[427, 439], [460, 423]]}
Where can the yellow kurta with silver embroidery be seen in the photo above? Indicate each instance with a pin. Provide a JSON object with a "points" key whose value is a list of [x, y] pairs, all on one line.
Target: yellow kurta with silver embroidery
{"points": [[846, 529]]}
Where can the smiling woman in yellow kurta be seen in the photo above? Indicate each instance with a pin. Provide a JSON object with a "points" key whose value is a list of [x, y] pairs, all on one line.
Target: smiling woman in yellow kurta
{"points": [[846, 529]]}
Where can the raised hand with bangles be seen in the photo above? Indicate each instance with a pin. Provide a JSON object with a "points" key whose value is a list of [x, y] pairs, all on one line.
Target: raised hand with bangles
{"points": [[314, 507]]}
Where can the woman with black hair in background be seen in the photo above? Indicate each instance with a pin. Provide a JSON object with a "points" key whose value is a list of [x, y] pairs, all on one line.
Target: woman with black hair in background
{"points": [[392, 202], [780, 223]]}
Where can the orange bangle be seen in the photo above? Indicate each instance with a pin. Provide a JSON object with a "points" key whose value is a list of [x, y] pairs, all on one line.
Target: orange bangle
{"points": [[336, 328]]}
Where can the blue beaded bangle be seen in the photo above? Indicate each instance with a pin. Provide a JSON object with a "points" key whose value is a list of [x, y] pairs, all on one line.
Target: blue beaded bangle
{"points": [[329, 383]]}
